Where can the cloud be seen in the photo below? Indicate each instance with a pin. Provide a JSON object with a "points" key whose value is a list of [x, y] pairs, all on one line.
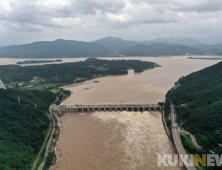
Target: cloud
{"points": [[104, 16]]}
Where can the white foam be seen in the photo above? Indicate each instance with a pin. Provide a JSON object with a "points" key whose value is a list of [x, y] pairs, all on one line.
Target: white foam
{"points": [[140, 132]]}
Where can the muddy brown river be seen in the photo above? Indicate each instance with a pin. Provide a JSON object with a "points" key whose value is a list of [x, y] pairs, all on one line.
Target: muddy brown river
{"points": [[121, 140]]}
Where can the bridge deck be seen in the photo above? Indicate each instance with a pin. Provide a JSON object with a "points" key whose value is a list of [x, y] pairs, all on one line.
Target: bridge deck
{"points": [[109, 107]]}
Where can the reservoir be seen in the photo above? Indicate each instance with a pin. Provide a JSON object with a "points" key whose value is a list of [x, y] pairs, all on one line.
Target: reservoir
{"points": [[121, 140]]}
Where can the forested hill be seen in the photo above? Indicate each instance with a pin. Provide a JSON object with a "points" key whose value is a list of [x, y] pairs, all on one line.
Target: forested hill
{"points": [[22, 126], [198, 101], [160, 49], [52, 49], [68, 72]]}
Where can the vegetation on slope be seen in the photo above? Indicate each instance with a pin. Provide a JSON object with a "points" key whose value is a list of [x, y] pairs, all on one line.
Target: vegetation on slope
{"points": [[160, 49], [22, 126], [198, 102]]}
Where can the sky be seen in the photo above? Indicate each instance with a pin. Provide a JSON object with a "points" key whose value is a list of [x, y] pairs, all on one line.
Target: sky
{"points": [[25, 21]]}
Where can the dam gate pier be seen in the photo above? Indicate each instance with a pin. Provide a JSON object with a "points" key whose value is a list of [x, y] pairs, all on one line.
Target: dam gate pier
{"points": [[108, 107]]}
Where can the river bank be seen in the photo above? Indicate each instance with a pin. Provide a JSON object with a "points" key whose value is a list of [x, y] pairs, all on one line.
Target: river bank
{"points": [[85, 137], [7, 61], [116, 135]]}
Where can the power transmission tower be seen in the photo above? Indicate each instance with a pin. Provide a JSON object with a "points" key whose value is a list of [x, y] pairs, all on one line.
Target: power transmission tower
{"points": [[19, 100]]}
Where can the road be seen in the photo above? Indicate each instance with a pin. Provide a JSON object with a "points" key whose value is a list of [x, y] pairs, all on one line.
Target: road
{"points": [[50, 128], [48, 143], [176, 136]]}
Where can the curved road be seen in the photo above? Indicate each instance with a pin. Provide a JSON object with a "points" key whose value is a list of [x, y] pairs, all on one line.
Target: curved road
{"points": [[50, 128], [176, 136], [48, 143]]}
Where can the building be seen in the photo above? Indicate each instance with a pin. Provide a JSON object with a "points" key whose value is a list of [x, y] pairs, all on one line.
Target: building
{"points": [[2, 86]]}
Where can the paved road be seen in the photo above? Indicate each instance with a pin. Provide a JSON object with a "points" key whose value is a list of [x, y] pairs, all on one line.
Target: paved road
{"points": [[48, 143], [176, 136], [50, 128]]}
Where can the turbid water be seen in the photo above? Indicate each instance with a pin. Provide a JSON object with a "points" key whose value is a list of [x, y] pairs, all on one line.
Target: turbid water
{"points": [[121, 140]]}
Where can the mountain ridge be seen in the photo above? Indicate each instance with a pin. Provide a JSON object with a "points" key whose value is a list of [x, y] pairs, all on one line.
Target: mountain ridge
{"points": [[109, 46], [53, 49]]}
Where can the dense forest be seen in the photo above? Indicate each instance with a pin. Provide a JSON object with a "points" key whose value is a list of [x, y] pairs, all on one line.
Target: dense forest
{"points": [[198, 102], [22, 126], [68, 72], [8, 66]]}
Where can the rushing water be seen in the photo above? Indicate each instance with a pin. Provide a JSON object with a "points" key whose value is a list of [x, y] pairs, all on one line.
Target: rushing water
{"points": [[112, 141], [121, 140]]}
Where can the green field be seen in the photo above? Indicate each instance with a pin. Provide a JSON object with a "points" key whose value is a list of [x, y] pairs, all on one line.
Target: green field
{"points": [[55, 90], [186, 140], [43, 86]]}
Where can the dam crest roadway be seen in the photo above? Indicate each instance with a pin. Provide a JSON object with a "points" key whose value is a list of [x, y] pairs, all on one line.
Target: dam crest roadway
{"points": [[108, 107]]}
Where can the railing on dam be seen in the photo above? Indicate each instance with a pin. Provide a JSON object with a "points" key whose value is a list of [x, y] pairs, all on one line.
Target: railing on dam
{"points": [[110, 107]]}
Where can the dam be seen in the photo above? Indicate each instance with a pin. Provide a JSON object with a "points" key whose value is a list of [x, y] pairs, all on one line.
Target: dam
{"points": [[108, 107]]}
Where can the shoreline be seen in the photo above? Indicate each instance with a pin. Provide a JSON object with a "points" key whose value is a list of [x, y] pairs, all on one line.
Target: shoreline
{"points": [[58, 124], [166, 128], [107, 57]]}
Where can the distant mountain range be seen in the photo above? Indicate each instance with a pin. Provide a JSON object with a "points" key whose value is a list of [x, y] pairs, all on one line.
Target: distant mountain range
{"points": [[172, 41], [116, 44], [160, 49], [110, 46], [54, 49]]}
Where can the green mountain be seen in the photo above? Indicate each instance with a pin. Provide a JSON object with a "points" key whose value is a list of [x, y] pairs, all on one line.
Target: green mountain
{"points": [[160, 49], [198, 102], [108, 46], [22, 126], [115, 43], [170, 40], [54, 49], [155, 42], [211, 40], [173, 41], [213, 49], [187, 42]]}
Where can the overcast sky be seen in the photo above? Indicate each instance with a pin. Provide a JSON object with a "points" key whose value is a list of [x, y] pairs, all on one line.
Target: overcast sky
{"points": [[24, 21]]}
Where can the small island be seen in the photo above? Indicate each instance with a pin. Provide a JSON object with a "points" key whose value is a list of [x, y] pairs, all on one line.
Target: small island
{"points": [[38, 61], [206, 58]]}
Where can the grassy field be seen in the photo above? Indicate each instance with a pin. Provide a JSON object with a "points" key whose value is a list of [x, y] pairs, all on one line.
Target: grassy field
{"points": [[186, 140], [55, 90], [43, 86], [191, 149]]}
